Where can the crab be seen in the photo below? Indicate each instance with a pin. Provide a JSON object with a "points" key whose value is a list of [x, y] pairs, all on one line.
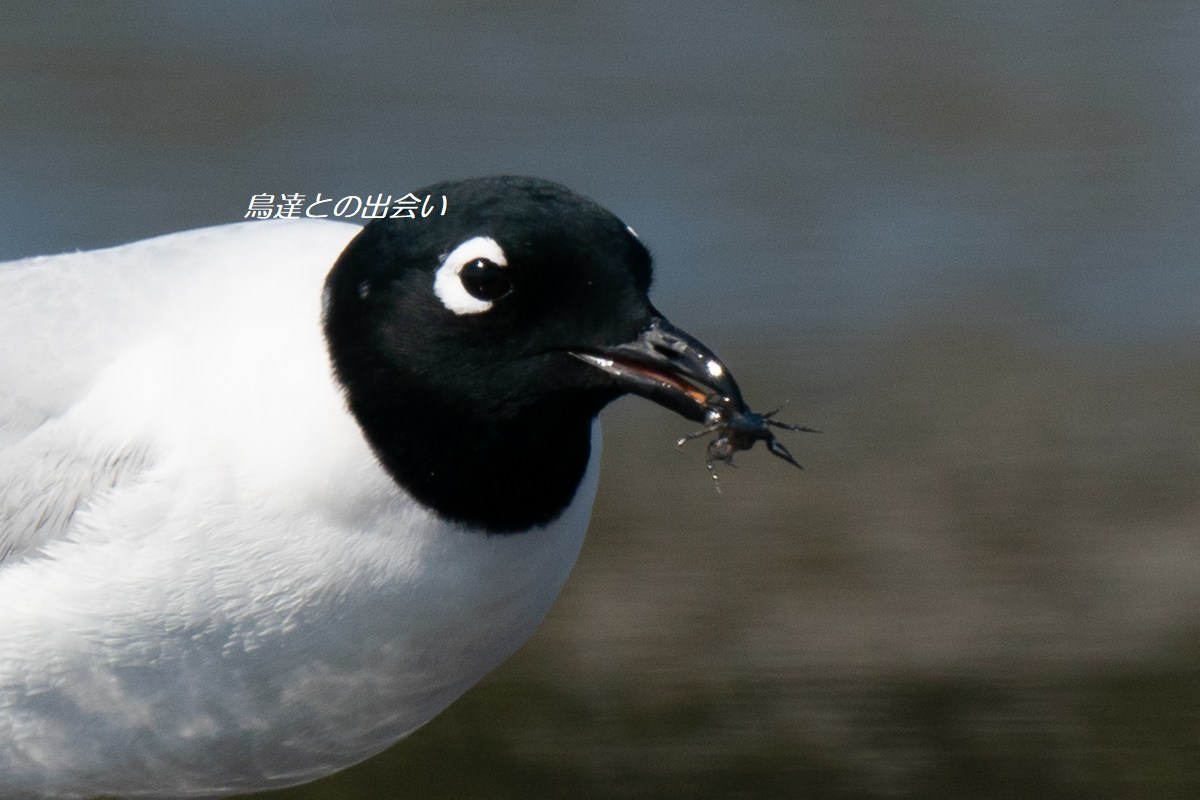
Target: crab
{"points": [[738, 428]]}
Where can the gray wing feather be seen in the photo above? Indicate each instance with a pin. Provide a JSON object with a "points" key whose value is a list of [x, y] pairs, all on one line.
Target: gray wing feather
{"points": [[62, 320], [45, 483]]}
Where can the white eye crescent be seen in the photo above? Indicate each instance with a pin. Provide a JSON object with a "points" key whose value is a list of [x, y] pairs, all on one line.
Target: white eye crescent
{"points": [[447, 283]]}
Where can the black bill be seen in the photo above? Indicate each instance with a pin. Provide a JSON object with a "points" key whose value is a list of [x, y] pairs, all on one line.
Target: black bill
{"points": [[675, 370], [672, 368]]}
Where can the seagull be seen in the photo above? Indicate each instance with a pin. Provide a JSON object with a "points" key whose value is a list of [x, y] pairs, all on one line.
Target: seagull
{"points": [[273, 494]]}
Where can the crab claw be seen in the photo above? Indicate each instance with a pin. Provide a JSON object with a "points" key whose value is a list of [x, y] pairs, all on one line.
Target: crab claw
{"points": [[767, 418], [776, 447], [787, 427]]}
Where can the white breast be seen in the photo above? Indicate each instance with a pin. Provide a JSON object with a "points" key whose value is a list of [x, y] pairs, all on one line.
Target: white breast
{"points": [[209, 585]]}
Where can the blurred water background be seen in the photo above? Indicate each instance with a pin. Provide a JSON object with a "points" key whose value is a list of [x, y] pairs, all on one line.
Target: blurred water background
{"points": [[961, 238]]}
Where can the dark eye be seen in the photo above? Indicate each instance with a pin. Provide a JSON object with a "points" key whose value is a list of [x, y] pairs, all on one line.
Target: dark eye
{"points": [[485, 280]]}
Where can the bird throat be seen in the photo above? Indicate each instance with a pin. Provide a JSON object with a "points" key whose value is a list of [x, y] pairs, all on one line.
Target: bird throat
{"points": [[503, 476]]}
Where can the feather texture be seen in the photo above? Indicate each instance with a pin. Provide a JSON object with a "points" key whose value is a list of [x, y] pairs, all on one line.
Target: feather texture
{"points": [[197, 541]]}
